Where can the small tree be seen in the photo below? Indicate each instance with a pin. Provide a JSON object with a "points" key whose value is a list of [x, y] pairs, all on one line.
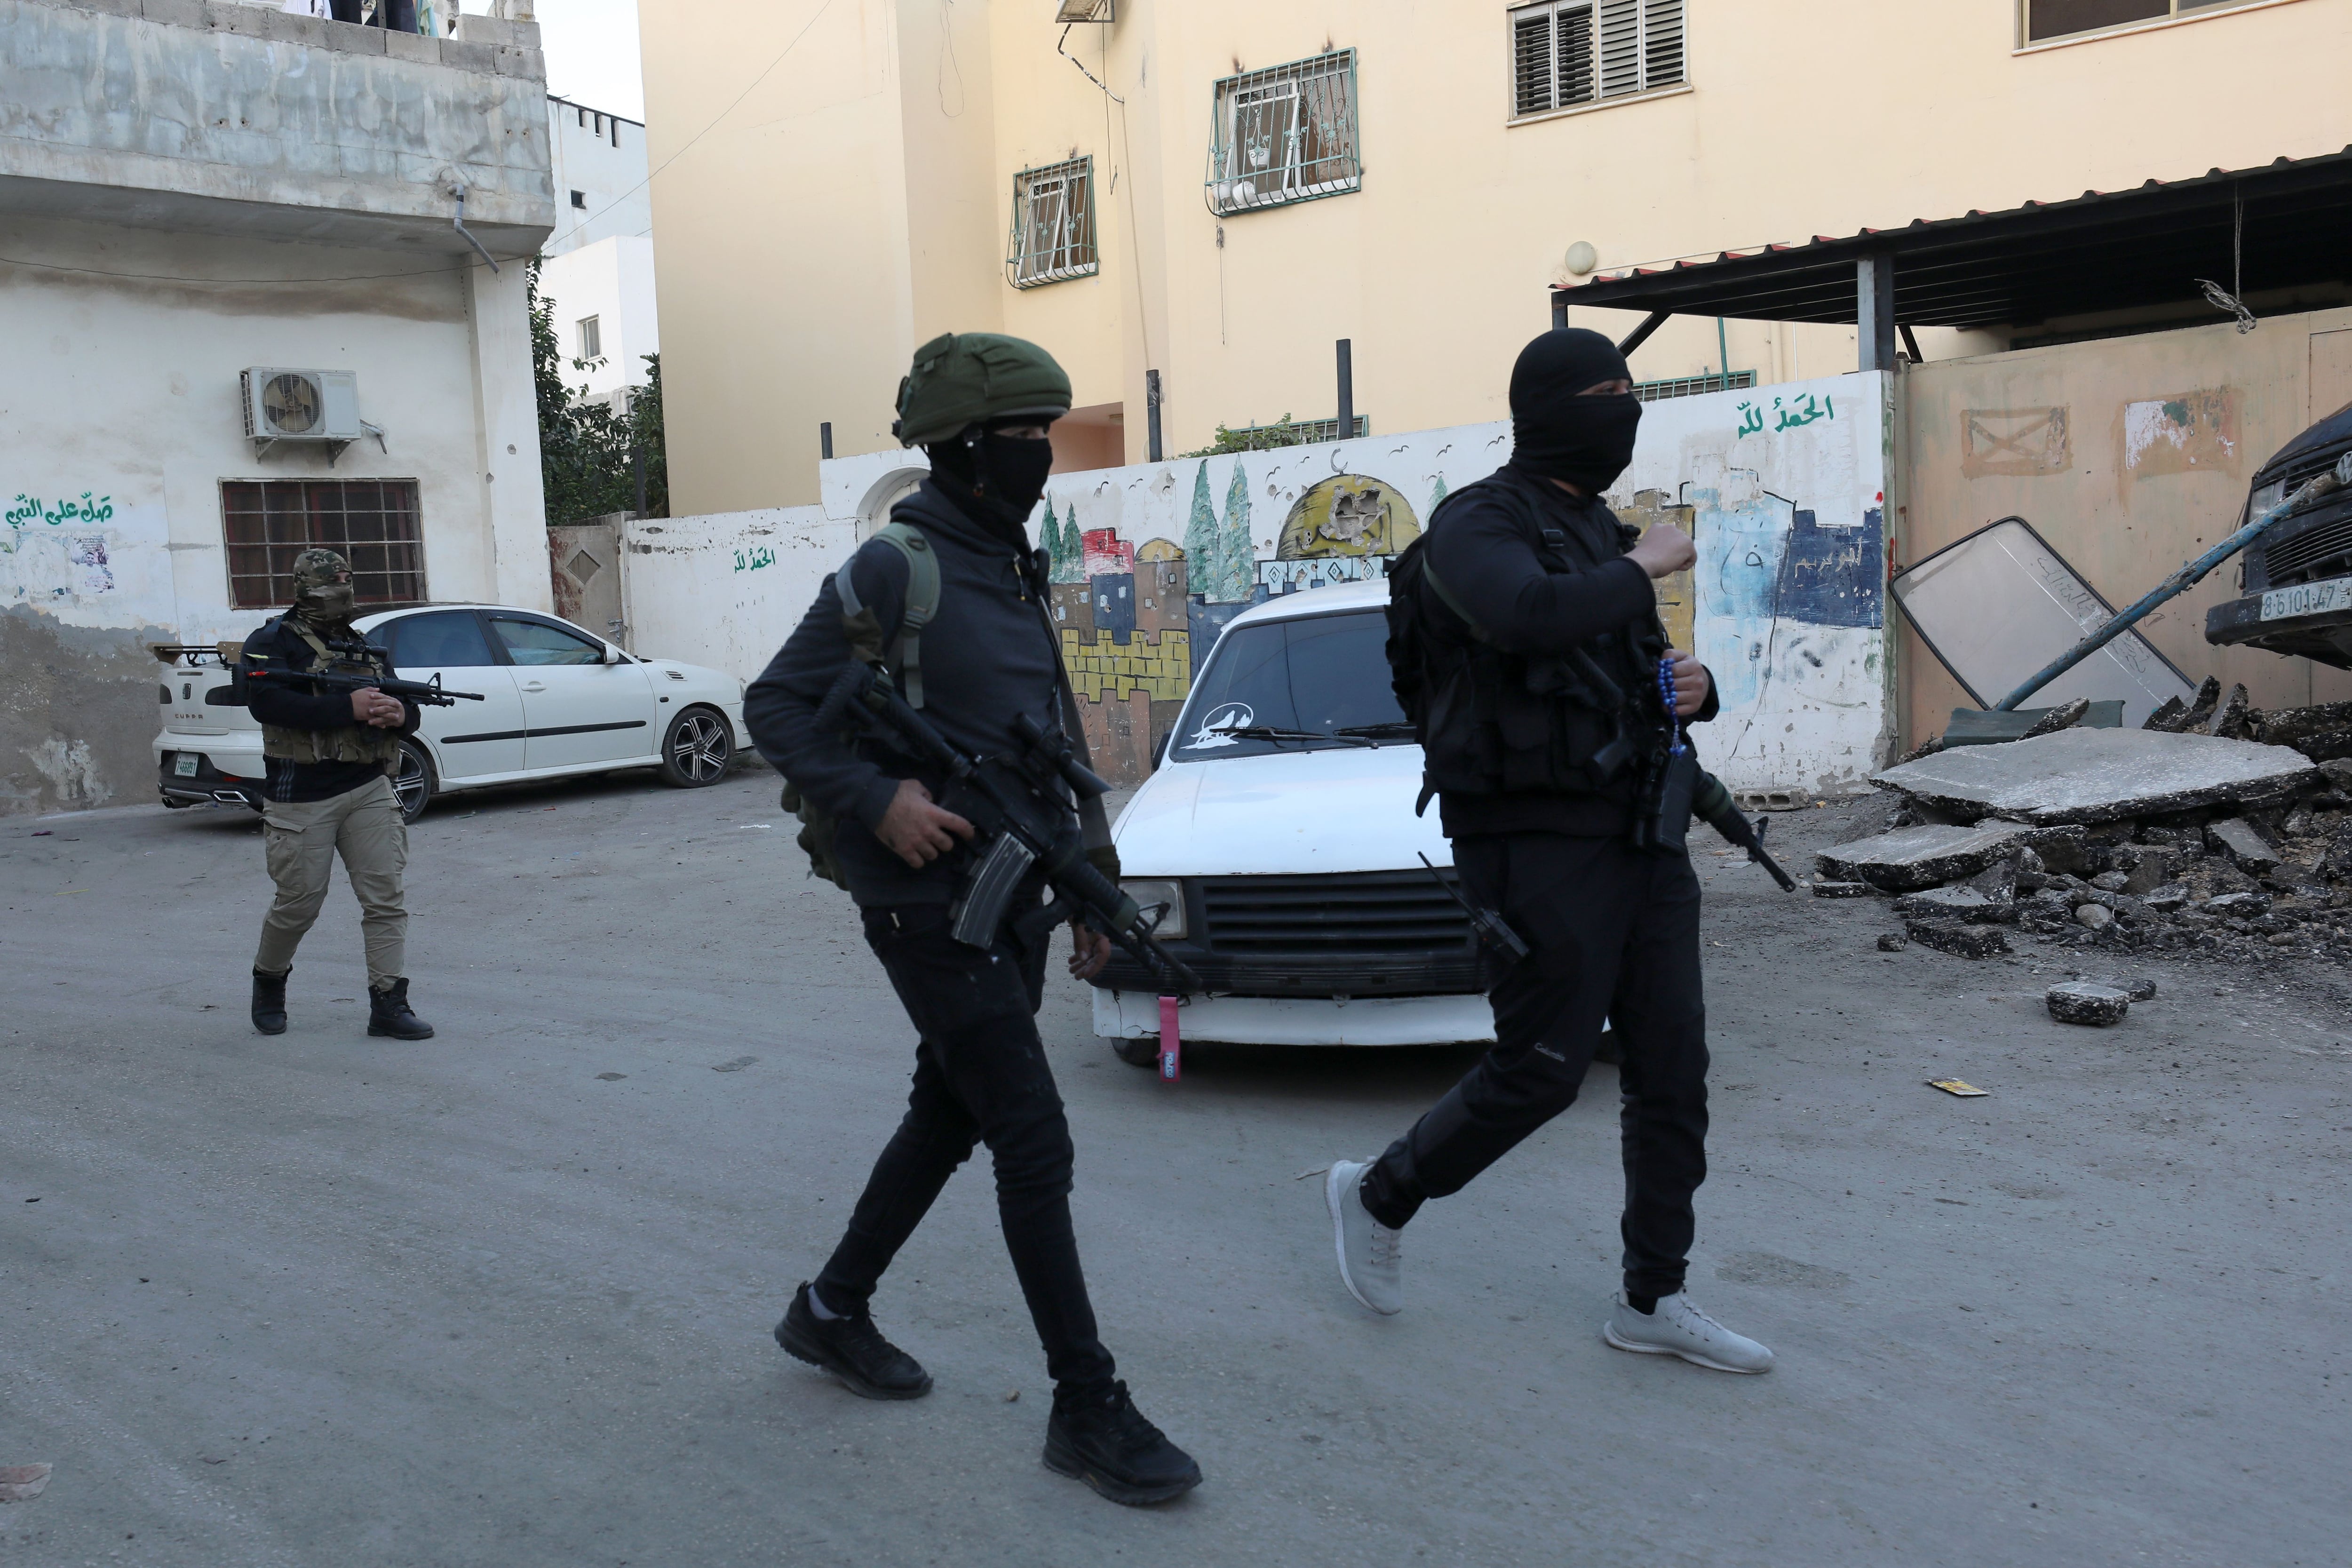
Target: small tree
{"points": [[589, 455]]}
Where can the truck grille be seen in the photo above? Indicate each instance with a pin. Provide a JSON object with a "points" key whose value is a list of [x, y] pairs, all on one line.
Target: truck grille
{"points": [[1341, 917], [2310, 556]]}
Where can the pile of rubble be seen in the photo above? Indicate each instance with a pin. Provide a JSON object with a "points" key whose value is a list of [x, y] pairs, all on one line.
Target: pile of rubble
{"points": [[2155, 840]]}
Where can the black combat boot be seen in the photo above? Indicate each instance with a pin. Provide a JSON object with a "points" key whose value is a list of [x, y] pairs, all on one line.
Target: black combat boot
{"points": [[388, 1014], [1102, 1439], [269, 1002], [853, 1350]]}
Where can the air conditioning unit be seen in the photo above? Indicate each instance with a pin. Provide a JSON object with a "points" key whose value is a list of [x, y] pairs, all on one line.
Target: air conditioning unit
{"points": [[283, 405]]}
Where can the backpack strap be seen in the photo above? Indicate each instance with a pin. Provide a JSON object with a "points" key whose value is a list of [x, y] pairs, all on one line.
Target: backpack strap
{"points": [[904, 656]]}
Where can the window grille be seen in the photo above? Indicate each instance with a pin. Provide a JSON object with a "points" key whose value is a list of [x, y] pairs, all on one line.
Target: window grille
{"points": [[1287, 134], [1692, 385], [1052, 223], [2046, 19], [1569, 52], [372, 523], [592, 339]]}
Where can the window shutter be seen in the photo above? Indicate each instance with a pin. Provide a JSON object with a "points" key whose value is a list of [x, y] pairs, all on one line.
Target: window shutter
{"points": [[1575, 55], [1662, 43], [1531, 56], [1620, 47]]}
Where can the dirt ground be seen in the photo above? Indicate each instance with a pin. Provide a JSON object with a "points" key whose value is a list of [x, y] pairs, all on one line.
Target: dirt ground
{"points": [[504, 1298]]}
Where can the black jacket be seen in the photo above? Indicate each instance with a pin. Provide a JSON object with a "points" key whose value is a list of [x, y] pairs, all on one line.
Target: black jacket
{"points": [[1479, 547], [988, 654], [290, 708]]}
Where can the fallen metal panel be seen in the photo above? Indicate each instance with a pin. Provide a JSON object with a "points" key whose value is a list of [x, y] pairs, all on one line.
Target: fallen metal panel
{"points": [[2000, 603]]}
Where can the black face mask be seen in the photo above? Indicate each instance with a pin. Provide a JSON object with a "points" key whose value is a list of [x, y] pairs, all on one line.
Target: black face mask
{"points": [[998, 482], [1555, 433]]}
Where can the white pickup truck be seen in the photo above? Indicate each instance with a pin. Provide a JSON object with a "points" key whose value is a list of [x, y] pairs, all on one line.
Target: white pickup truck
{"points": [[1288, 866]]}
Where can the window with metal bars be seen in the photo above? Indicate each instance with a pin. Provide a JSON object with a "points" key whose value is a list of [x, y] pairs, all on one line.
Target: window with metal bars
{"points": [[1287, 134], [2045, 19], [1052, 223], [1570, 52], [372, 523]]}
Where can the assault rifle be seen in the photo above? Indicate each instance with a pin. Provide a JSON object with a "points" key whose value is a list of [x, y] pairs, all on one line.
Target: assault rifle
{"points": [[1020, 817], [1712, 804], [356, 678]]}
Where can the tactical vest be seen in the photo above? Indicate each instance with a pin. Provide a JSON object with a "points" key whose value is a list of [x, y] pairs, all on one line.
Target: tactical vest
{"points": [[350, 742], [1495, 722]]}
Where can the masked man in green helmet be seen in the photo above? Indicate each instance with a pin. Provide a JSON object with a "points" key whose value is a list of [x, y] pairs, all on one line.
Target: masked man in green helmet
{"points": [[952, 601], [330, 755]]}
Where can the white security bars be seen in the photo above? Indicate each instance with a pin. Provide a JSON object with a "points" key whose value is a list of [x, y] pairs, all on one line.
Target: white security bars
{"points": [[1052, 223], [1570, 52], [1287, 134]]}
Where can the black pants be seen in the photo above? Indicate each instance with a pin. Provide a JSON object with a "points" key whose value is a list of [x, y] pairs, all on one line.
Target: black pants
{"points": [[980, 1076], [1614, 933]]}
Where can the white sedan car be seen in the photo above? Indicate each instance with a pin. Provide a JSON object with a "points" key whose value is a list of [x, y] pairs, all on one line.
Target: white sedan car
{"points": [[1288, 862], [556, 701]]}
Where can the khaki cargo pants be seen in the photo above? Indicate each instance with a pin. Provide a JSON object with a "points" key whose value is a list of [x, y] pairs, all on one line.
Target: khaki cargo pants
{"points": [[303, 839]]}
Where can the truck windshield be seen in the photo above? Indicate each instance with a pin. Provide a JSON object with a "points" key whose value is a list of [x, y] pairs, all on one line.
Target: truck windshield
{"points": [[1319, 674]]}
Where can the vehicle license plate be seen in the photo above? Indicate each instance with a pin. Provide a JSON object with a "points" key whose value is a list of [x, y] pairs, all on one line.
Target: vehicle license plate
{"points": [[2308, 599], [186, 766]]}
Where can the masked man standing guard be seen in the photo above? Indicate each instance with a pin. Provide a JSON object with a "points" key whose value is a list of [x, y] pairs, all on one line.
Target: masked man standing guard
{"points": [[953, 601], [1526, 642], [330, 757]]}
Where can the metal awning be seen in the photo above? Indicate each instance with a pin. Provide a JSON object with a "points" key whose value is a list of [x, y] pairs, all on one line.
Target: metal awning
{"points": [[2282, 226]]}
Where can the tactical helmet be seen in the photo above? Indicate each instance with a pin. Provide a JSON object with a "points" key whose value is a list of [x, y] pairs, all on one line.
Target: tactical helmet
{"points": [[967, 378], [317, 569]]}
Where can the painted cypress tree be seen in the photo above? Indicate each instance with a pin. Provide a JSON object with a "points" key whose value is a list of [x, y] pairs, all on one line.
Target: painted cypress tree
{"points": [[1050, 536], [1073, 548], [1435, 496], [1201, 553], [1238, 560]]}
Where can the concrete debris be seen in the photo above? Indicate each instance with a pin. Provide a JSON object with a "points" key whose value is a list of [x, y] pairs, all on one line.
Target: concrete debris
{"points": [[2093, 915], [2139, 990], [2173, 719], [2236, 837], [1961, 903], [2064, 717], [1893, 941], [1959, 940], [1909, 858], [2246, 906], [2090, 776], [2151, 868], [22, 1483], [2082, 1002], [2167, 898], [2322, 733], [2230, 720], [2110, 881], [1826, 890]]}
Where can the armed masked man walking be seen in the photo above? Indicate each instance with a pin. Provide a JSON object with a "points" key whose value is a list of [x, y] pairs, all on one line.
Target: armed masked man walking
{"points": [[330, 756], [1526, 646], [951, 601]]}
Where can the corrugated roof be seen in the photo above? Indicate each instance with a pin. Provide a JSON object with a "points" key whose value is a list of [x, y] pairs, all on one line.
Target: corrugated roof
{"points": [[2284, 225]]}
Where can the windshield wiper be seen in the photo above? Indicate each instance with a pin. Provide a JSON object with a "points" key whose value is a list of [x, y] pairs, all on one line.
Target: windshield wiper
{"points": [[1276, 733], [1386, 729]]}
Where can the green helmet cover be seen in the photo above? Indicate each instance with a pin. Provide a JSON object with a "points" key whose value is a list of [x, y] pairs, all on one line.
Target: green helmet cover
{"points": [[967, 378]]}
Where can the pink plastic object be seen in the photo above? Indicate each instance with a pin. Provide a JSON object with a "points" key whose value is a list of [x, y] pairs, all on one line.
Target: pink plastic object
{"points": [[1171, 1047]]}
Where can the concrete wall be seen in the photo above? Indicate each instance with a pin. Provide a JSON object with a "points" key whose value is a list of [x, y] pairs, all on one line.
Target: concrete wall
{"points": [[603, 157], [1784, 490], [2082, 441], [613, 280], [832, 218]]}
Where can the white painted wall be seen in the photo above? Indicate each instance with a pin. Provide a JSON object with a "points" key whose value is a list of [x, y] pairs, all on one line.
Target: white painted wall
{"points": [[613, 280], [601, 157], [1790, 608]]}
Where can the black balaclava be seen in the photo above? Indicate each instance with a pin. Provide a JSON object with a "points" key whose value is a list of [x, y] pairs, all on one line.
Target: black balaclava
{"points": [[995, 478], [1555, 433]]}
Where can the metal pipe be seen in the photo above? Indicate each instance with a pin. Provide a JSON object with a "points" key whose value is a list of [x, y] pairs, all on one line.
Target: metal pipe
{"points": [[824, 439], [459, 193], [1640, 334], [1151, 413], [2188, 576], [1346, 423]]}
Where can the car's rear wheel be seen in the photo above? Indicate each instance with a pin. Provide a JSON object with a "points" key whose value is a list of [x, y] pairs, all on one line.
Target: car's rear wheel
{"points": [[698, 749], [411, 781], [1141, 1051]]}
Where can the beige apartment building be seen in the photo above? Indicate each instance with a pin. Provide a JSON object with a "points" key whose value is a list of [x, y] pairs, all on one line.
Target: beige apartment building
{"points": [[1205, 195]]}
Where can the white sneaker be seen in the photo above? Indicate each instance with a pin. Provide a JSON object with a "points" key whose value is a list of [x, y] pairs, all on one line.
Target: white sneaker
{"points": [[1371, 1256], [1679, 1327]]}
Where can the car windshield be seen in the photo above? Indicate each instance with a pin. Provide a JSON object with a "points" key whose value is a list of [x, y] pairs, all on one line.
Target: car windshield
{"points": [[1323, 675]]}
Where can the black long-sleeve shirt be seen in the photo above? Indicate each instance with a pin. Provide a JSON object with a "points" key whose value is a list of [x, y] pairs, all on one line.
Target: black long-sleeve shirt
{"points": [[290, 708]]}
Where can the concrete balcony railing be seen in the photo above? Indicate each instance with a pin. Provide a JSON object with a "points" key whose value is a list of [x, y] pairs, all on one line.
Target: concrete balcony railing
{"points": [[238, 119]]}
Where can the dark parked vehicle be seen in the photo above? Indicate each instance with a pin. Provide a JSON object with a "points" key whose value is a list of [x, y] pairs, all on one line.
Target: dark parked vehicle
{"points": [[2297, 578]]}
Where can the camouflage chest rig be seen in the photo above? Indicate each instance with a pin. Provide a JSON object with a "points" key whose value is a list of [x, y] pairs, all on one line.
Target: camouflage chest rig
{"points": [[352, 742]]}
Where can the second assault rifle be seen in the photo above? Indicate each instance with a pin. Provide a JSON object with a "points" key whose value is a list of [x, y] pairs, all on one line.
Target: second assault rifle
{"points": [[1016, 805], [350, 676], [1712, 804]]}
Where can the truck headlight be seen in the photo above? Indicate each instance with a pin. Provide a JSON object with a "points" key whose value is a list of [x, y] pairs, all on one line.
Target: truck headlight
{"points": [[2269, 496], [1162, 900]]}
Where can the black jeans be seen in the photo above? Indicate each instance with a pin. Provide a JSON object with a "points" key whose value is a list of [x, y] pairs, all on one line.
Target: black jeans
{"points": [[980, 1076], [1615, 934]]}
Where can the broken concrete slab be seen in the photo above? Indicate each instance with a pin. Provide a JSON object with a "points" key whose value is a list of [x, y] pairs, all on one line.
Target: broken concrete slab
{"points": [[2154, 868], [2322, 733], [1910, 859], [2244, 906], [2082, 1002], [2168, 899], [2247, 848], [1959, 940], [1829, 890], [2099, 776], [1967, 904]]}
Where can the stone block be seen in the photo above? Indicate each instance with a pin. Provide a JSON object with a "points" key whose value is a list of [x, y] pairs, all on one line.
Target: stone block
{"points": [[293, 28], [2247, 849], [1909, 858], [176, 13], [2084, 1002], [530, 65], [1959, 940], [465, 57], [2099, 776], [413, 46], [246, 21]]}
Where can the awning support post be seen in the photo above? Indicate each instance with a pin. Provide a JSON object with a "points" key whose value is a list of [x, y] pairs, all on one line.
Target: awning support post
{"points": [[1640, 334], [1873, 310], [1559, 310]]}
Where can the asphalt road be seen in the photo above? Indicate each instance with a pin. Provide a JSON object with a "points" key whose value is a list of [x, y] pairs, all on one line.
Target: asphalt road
{"points": [[326, 1300]]}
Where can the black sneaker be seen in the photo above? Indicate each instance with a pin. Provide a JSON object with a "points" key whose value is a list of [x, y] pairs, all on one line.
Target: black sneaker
{"points": [[853, 1350], [1103, 1440]]}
